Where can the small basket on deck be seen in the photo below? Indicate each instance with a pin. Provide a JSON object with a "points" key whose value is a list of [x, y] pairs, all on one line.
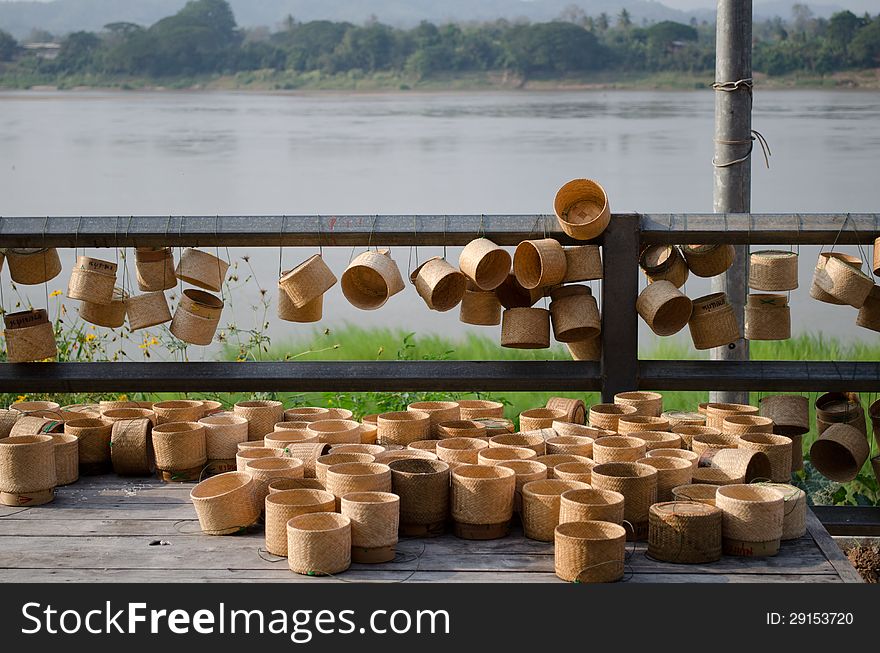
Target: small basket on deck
{"points": [[375, 517], [319, 544], [482, 501], [753, 516], [685, 532], [225, 503], [131, 447], [589, 551], [423, 488], [27, 470]]}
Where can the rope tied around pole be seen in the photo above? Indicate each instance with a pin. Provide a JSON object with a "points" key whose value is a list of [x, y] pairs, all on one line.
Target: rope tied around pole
{"points": [[755, 136]]}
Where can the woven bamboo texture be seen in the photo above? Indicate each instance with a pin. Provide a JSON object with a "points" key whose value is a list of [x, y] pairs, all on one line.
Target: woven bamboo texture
{"points": [[869, 313], [306, 414], [244, 456], [196, 317], [179, 446], [607, 416], [268, 469], [539, 263], [840, 453], [323, 463], [752, 513], [717, 412], [225, 503], [575, 410], [539, 418], [66, 449], [589, 552], [438, 413], [790, 413], [439, 284], [375, 518], [29, 337], [767, 317], [423, 488], [574, 471], [684, 532], [773, 270], [664, 263], [460, 451], [567, 429], [533, 440], [681, 454], [357, 477], [371, 279], [591, 504], [794, 519], [526, 471], [477, 408], [583, 263], [336, 431], [585, 350], [647, 404], [283, 506], [131, 447], [636, 482], [32, 266], [202, 269], [582, 209], [485, 263], [575, 316], [618, 449], [111, 315], [223, 433], [632, 424], [178, 411], [92, 280], [776, 447], [94, 440], [404, 427], [708, 260], [843, 282], [319, 544], [154, 269], [554, 460], [540, 506], [308, 281], [480, 308], [664, 308], [573, 444], [147, 310], [27, 463], [482, 494], [525, 328], [671, 473]]}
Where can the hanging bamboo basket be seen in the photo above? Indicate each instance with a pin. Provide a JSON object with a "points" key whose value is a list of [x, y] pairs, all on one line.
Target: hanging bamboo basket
{"points": [[484, 263], [840, 408], [845, 283], [202, 270], [869, 313], [311, 312], [110, 316], [816, 291], [29, 336], [582, 263], [307, 282], [767, 317], [582, 209], [773, 270], [197, 316], [840, 453], [539, 263], [423, 488], [154, 268], [371, 279], [585, 350], [708, 260], [525, 328], [574, 313], [589, 552], [664, 263], [92, 280], [375, 518], [752, 519], [33, 266], [480, 308], [147, 310], [713, 323], [511, 294], [664, 308]]}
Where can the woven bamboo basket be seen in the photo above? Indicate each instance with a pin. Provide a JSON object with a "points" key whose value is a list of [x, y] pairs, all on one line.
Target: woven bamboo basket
{"points": [[323, 463], [27, 470], [336, 431], [30, 425], [647, 404], [48, 409], [369, 433], [308, 452], [869, 313], [628, 424], [618, 448], [539, 263], [423, 488], [66, 449], [741, 424], [540, 506], [196, 317], [94, 443], [699, 492], [464, 428], [790, 413], [708, 260], [202, 269], [671, 473], [223, 433], [767, 317], [582, 263], [484, 263], [311, 312], [753, 518], [816, 292], [131, 447], [664, 308], [460, 451], [678, 418], [438, 412], [581, 472], [375, 518], [33, 266], [555, 459], [79, 411], [840, 408], [526, 471], [575, 410], [124, 414], [511, 294], [476, 408], [776, 447], [480, 308], [319, 544], [306, 414], [404, 427], [638, 485], [658, 439], [29, 336], [261, 415], [424, 445], [533, 440], [840, 453], [225, 504], [681, 454], [155, 269], [179, 447], [684, 532], [283, 506], [700, 443], [244, 456], [717, 476], [539, 418], [439, 284], [773, 270], [179, 411], [284, 437], [308, 281], [245, 446], [717, 412], [525, 328], [268, 469], [357, 477], [92, 280], [387, 457], [664, 263], [589, 551], [495, 426], [147, 310], [794, 520], [713, 323], [495, 455], [569, 429], [371, 279], [371, 449], [572, 444], [284, 484], [575, 315], [748, 464], [845, 283], [590, 504], [106, 405], [607, 416], [482, 501], [582, 209], [111, 316]]}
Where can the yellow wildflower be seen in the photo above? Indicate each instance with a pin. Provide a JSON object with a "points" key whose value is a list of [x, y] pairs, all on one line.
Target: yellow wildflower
{"points": [[55, 293], [123, 398], [21, 398], [90, 337]]}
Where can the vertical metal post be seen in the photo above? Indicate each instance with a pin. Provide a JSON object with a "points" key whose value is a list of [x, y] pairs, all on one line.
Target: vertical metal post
{"points": [[620, 289], [733, 182]]}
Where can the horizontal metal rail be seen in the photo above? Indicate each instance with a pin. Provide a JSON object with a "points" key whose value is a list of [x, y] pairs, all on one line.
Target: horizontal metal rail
{"points": [[853, 521], [426, 230]]}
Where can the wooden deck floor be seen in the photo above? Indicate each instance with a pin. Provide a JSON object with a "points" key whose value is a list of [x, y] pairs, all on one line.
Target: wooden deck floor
{"points": [[120, 530]]}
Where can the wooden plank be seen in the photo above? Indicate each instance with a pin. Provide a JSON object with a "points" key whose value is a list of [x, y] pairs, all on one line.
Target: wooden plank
{"points": [[620, 288], [452, 230], [849, 520], [829, 548]]}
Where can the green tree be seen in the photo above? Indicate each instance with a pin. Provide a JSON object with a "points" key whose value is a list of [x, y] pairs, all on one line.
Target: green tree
{"points": [[8, 46], [624, 20], [547, 48], [201, 37], [865, 46], [77, 52], [842, 28]]}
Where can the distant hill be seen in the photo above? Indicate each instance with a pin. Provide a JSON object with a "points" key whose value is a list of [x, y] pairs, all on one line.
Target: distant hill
{"points": [[61, 16]]}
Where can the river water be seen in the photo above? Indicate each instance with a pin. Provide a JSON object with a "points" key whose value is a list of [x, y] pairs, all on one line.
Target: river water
{"points": [[122, 153]]}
